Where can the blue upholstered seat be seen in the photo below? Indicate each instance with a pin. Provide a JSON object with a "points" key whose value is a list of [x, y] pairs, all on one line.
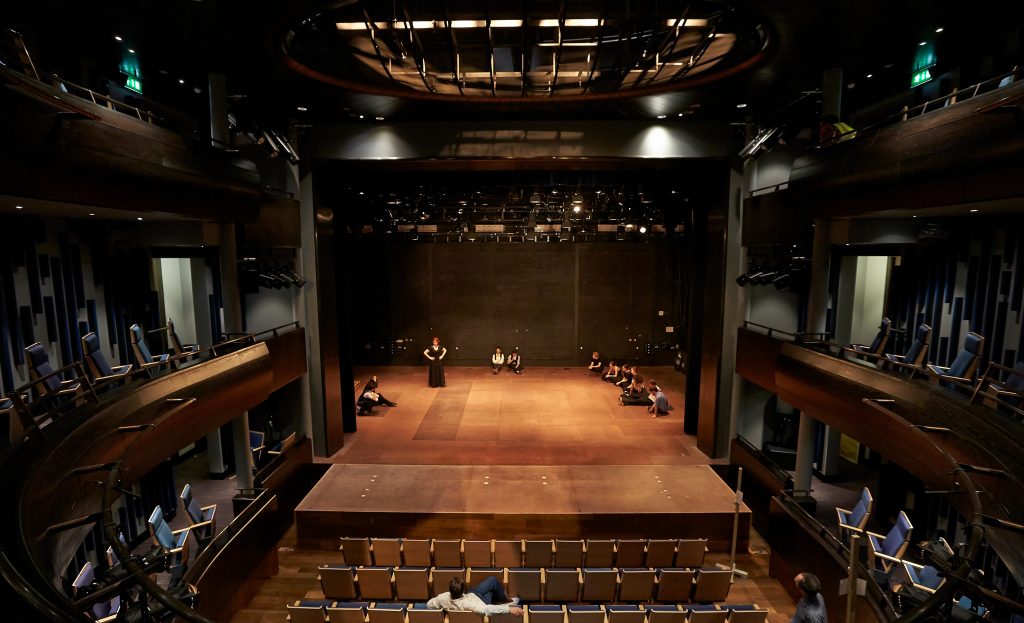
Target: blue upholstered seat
{"points": [[918, 348], [924, 577], [965, 366], [887, 550], [855, 520], [39, 368], [174, 543], [96, 362], [143, 357], [202, 518], [877, 346]]}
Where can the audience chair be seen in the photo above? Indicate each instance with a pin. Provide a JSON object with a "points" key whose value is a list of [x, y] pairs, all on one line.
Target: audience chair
{"points": [[581, 613], [476, 553], [375, 583], [355, 551], [629, 553], [508, 554], [913, 359], [282, 446], [102, 612], [309, 610], [416, 552], [537, 553], [386, 552], [675, 585], [600, 553], [561, 585], [348, 612], [386, 613], [447, 553], [441, 577], [421, 613], [50, 385], [599, 584], [256, 445], [1007, 393], [143, 357], [665, 614], [412, 583], [525, 583], [712, 585], [690, 553], [888, 549], [568, 554], [173, 542], [625, 613], [550, 613], [476, 575], [922, 577], [877, 346], [464, 616], [747, 613], [182, 351], [855, 520], [660, 553], [636, 584], [203, 519], [338, 581], [100, 371], [964, 367], [705, 613]]}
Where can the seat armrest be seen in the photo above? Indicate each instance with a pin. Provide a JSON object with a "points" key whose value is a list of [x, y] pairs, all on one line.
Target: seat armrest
{"points": [[845, 510], [888, 557], [956, 379], [200, 523], [854, 528], [206, 508], [876, 535]]}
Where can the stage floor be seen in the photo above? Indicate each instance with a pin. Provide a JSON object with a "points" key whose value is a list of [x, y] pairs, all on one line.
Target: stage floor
{"points": [[546, 416]]}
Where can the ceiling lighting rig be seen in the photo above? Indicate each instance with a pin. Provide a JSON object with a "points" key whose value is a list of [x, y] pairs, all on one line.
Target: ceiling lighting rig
{"points": [[458, 48]]}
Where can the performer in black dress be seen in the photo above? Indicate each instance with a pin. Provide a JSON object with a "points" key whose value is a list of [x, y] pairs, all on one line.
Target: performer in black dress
{"points": [[435, 353]]}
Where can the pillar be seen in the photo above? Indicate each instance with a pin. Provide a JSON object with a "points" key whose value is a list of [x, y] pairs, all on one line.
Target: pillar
{"points": [[243, 455], [832, 92], [805, 439], [217, 86]]}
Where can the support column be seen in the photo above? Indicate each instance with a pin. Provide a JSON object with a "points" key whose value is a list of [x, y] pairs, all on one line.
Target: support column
{"points": [[243, 455], [817, 299], [832, 92], [804, 455], [232, 302], [830, 453], [217, 86]]}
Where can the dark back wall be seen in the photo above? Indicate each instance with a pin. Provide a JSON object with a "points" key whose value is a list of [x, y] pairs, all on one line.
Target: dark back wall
{"points": [[555, 302]]}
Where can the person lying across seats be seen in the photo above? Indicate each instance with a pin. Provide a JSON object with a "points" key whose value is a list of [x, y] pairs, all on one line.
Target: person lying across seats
{"points": [[636, 394], [659, 400], [514, 362], [486, 598], [371, 398], [612, 376], [595, 365]]}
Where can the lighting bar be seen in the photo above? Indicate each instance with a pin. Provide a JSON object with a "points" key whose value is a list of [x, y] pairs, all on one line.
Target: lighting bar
{"points": [[480, 23], [688, 23]]}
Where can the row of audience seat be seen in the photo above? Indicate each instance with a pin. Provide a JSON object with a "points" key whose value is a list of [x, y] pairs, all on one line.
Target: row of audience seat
{"points": [[321, 611], [884, 550], [674, 585], [558, 553], [999, 386]]}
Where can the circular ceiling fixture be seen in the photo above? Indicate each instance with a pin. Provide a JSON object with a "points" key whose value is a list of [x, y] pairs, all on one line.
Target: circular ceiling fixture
{"points": [[502, 51]]}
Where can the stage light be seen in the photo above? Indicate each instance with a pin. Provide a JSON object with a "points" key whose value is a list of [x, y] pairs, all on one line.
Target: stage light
{"points": [[643, 229]]}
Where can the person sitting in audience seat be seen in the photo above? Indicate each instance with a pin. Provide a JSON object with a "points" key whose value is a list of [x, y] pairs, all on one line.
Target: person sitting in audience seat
{"points": [[486, 598]]}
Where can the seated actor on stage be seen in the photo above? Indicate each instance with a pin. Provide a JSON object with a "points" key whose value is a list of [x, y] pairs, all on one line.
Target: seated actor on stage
{"points": [[371, 398], [515, 362], [628, 372], [595, 365], [636, 394], [497, 360], [486, 598], [612, 376], [660, 400]]}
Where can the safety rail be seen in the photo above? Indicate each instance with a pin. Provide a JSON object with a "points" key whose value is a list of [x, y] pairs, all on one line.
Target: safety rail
{"points": [[254, 335], [99, 99], [804, 337]]}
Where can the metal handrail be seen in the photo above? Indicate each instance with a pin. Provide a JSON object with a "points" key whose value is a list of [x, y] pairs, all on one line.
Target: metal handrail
{"points": [[97, 98], [255, 334]]}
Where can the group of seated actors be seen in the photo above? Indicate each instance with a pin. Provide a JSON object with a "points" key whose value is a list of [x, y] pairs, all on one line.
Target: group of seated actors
{"points": [[634, 391]]}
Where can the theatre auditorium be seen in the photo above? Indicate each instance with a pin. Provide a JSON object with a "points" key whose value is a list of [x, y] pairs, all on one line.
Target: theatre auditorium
{"points": [[512, 311]]}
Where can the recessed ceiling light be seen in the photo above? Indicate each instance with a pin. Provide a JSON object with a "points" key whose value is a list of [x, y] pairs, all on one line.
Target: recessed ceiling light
{"points": [[741, 105], [939, 29], [301, 108], [922, 43], [661, 116], [131, 51], [973, 210], [360, 116], [181, 81], [870, 76], [680, 115], [915, 216], [117, 38], [379, 118], [138, 218], [19, 207], [92, 214]]}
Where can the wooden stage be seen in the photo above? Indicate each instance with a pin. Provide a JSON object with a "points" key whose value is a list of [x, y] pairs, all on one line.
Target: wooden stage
{"points": [[496, 501], [546, 454]]}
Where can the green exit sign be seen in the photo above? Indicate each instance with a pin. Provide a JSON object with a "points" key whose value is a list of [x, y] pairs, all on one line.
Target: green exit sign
{"points": [[920, 77]]}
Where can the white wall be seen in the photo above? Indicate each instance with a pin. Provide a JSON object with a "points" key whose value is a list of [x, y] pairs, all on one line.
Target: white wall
{"points": [[772, 307], [177, 294], [269, 308], [863, 281]]}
